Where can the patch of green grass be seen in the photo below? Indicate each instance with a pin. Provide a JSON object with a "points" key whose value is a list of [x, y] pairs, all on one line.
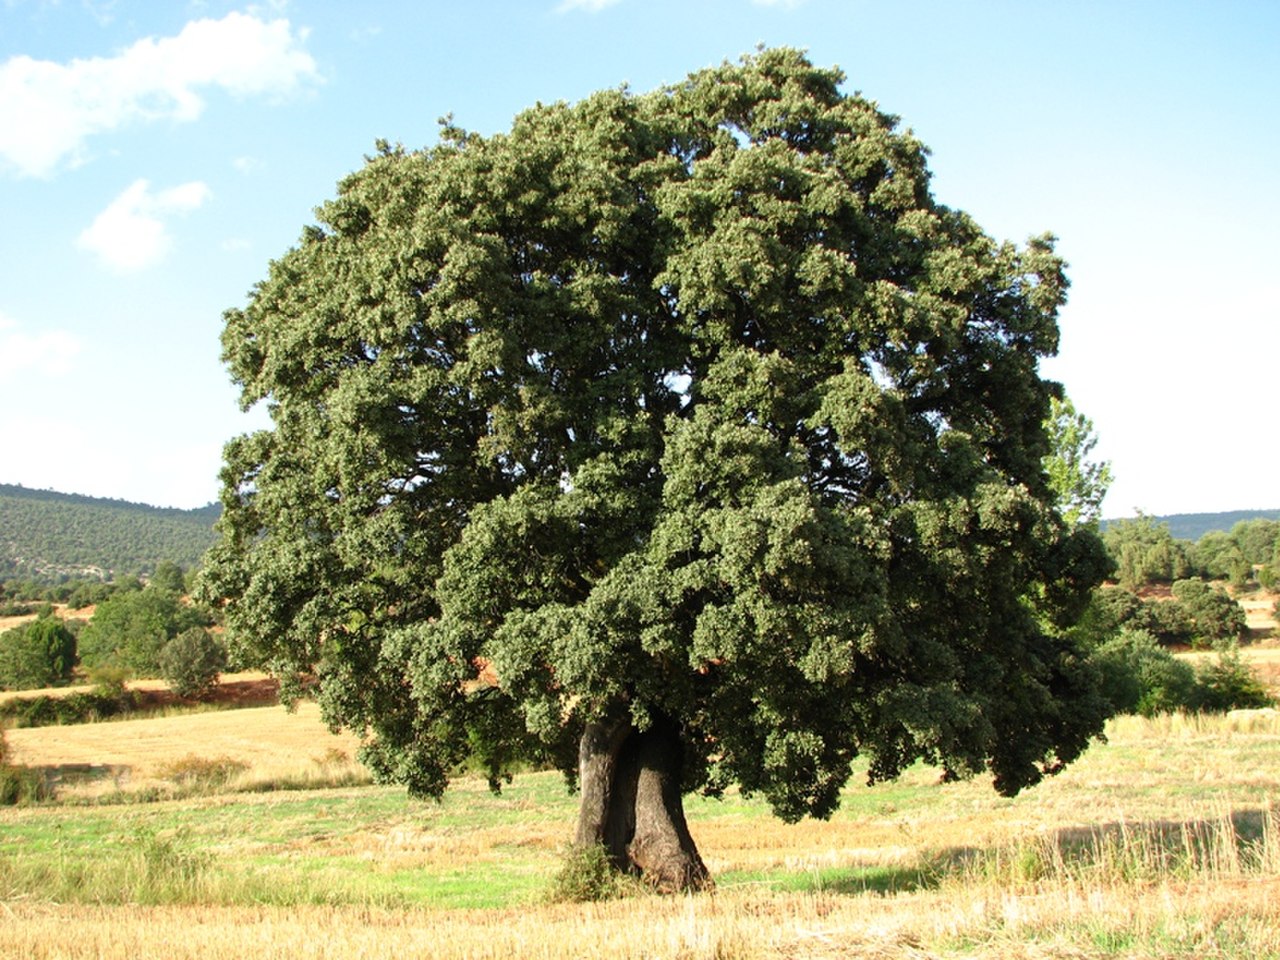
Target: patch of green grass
{"points": [[846, 881]]}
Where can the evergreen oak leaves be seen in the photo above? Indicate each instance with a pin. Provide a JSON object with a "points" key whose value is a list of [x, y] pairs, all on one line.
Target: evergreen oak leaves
{"points": [[693, 405]]}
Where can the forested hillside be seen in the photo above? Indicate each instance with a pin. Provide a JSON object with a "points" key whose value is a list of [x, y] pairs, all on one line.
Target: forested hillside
{"points": [[1193, 526], [46, 535]]}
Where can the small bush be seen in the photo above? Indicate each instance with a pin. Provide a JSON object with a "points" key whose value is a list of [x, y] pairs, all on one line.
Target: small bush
{"points": [[587, 875], [1228, 683], [191, 661], [1267, 578], [1140, 676], [1216, 618]]}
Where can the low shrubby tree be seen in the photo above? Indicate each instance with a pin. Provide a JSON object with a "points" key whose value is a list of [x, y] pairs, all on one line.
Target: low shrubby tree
{"points": [[1141, 676], [1217, 555], [1166, 619], [168, 576], [130, 628], [1229, 683], [1145, 552], [1198, 614], [36, 654], [191, 661], [1215, 618]]}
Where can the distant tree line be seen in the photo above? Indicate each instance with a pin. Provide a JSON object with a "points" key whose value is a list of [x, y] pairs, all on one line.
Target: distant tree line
{"points": [[1146, 553]]}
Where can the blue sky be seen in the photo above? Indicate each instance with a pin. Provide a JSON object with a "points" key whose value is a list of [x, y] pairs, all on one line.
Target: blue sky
{"points": [[154, 157]]}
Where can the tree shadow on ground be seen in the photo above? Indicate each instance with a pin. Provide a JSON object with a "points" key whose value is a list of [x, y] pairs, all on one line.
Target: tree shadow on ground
{"points": [[1239, 842]]}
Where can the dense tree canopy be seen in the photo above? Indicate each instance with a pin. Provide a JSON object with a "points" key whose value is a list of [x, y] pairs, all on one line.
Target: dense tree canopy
{"points": [[130, 628], [696, 421], [1145, 551]]}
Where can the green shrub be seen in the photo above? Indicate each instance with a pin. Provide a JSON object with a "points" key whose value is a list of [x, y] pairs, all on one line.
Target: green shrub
{"points": [[37, 654], [1214, 616], [45, 711], [1267, 577], [586, 875], [1228, 683], [191, 661], [1141, 676]]}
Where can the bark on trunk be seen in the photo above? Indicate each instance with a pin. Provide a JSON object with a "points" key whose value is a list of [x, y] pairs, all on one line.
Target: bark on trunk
{"points": [[632, 804]]}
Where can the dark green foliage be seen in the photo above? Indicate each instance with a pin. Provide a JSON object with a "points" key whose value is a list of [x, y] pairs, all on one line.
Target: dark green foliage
{"points": [[37, 654], [191, 661], [1228, 683], [57, 534], [1141, 676], [1167, 620], [1199, 614], [45, 711], [691, 407], [1214, 617], [130, 628]]}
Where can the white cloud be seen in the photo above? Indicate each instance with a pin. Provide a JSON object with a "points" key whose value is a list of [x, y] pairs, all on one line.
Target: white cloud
{"points": [[246, 165], [129, 234], [590, 6], [784, 4], [51, 353], [48, 110]]}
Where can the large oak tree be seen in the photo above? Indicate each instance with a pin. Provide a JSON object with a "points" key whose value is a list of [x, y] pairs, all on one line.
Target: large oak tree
{"points": [[692, 419]]}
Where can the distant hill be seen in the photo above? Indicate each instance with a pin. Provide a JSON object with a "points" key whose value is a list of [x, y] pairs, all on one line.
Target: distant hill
{"points": [[1193, 526], [45, 535]]}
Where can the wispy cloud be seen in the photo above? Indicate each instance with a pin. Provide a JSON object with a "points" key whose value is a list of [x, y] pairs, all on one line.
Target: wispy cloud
{"points": [[131, 234], [782, 4], [589, 6], [49, 110], [51, 353]]}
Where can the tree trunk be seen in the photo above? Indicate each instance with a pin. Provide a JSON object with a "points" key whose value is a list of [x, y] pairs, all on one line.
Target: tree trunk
{"points": [[632, 803]]}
